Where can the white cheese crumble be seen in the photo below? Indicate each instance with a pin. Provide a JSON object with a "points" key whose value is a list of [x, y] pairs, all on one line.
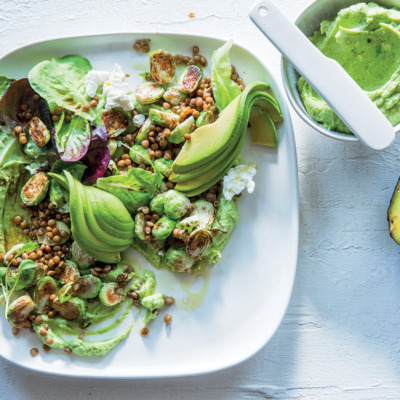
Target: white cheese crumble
{"points": [[238, 179], [117, 91], [138, 120], [94, 79]]}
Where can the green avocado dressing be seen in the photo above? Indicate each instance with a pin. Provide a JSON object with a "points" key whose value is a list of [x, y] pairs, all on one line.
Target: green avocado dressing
{"points": [[365, 40]]}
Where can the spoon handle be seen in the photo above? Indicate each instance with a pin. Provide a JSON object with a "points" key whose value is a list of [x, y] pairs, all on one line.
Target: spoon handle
{"points": [[326, 76]]}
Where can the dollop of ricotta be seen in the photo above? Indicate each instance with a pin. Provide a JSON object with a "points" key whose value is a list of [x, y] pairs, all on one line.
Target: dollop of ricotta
{"points": [[138, 120], [115, 89], [238, 179]]}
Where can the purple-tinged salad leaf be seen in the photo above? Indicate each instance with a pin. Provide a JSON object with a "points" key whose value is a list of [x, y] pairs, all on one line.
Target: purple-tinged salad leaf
{"points": [[18, 93], [72, 139], [97, 158]]}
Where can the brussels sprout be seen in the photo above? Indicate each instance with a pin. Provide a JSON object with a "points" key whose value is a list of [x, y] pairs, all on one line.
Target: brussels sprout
{"points": [[149, 92], [174, 96], [70, 272], [178, 134], [89, 287], [143, 133], [43, 290], [112, 145], [72, 309], [205, 211], [185, 227], [38, 131], [207, 117], [177, 260], [11, 253], [115, 122], [190, 79], [140, 224], [39, 274], [21, 277], [66, 292], [163, 228], [171, 203], [162, 66], [19, 310], [62, 227], [164, 166], [139, 155], [35, 189], [123, 272], [79, 256], [163, 118], [112, 169], [198, 243], [111, 294]]}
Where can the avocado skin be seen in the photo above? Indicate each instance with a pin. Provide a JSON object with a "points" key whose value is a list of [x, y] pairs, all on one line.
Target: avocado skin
{"points": [[393, 214]]}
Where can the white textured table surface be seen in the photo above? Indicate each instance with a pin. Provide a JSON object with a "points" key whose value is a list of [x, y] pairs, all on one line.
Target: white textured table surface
{"points": [[340, 338]]}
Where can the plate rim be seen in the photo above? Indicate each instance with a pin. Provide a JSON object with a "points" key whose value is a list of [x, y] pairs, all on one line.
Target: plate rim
{"points": [[288, 121]]}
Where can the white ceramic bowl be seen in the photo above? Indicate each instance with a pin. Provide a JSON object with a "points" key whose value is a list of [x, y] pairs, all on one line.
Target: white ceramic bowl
{"points": [[308, 22]]}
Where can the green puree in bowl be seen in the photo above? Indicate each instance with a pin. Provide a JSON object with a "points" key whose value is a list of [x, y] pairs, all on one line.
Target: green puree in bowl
{"points": [[365, 40]]}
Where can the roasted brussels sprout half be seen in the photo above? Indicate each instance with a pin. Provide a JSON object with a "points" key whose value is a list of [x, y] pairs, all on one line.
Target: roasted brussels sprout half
{"points": [[38, 131], [205, 211], [190, 79], [72, 309], [178, 261], [70, 272], [64, 235], [163, 118], [43, 290], [140, 224], [207, 117], [138, 155], [21, 277], [198, 243], [89, 287], [115, 122], [162, 66], [19, 310], [35, 189], [178, 134], [143, 133], [112, 169], [163, 228], [164, 166], [79, 256], [185, 227], [66, 292], [111, 294], [149, 92], [171, 203], [174, 96], [122, 273]]}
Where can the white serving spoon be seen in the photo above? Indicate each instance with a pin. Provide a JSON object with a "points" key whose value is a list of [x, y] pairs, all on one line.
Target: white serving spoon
{"points": [[326, 76]]}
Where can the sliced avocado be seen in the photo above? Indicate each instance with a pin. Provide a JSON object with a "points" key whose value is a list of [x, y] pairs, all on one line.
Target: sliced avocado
{"points": [[269, 105], [178, 134], [263, 129], [394, 214], [208, 141], [82, 234]]}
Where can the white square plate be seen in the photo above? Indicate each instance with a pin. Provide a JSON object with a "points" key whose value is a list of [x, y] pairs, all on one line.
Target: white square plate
{"points": [[248, 291]]}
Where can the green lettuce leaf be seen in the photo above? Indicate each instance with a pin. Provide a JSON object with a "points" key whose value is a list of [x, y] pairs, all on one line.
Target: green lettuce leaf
{"points": [[11, 151], [5, 83], [224, 89], [62, 81], [135, 189]]}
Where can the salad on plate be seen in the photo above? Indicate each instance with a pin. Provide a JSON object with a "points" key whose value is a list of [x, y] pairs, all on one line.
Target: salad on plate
{"points": [[91, 167]]}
